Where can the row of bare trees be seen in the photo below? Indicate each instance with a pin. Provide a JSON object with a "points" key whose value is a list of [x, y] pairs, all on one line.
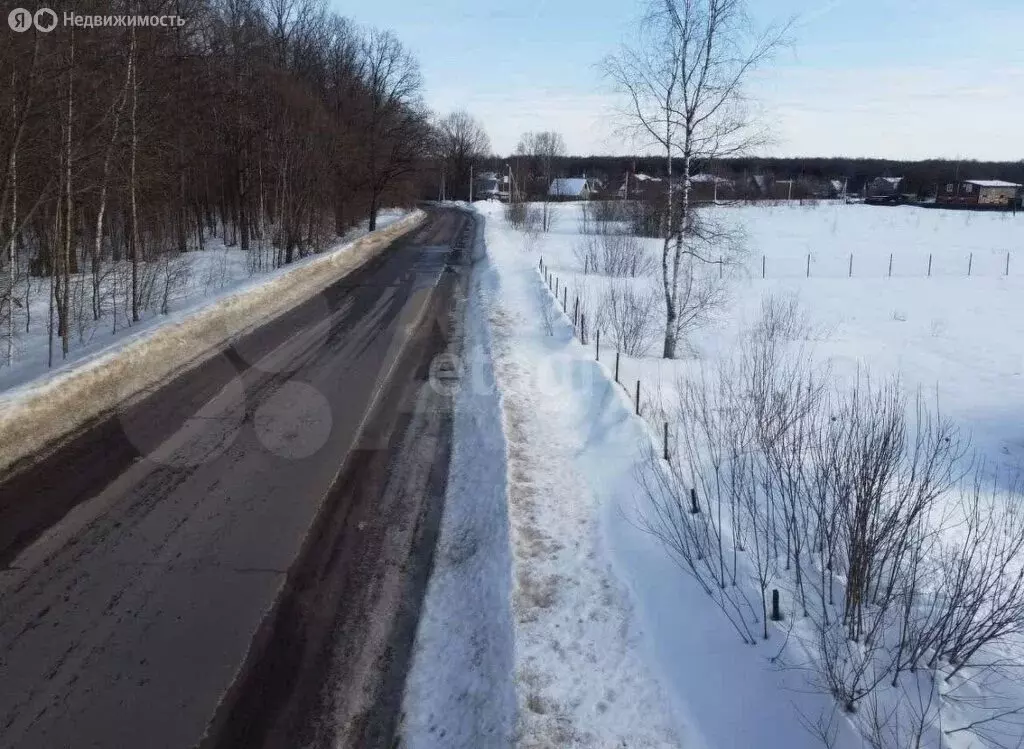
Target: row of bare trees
{"points": [[272, 125], [901, 560]]}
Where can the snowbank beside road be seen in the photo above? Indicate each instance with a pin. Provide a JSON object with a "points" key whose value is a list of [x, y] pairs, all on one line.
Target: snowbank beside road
{"points": [[581, 678], [459, 691], [50, 407]]}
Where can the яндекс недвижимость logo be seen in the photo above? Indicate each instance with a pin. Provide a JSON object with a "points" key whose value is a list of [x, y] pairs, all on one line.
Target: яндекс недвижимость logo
{"points": [[44, 20]]}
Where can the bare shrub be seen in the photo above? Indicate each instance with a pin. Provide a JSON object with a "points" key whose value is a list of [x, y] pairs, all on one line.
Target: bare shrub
{"points": [[841, 500], [646, 218], [586, 224], [175, 273], [603, 216], [631, 316], [691, 503], [587, 250], [700, 297], [215, 275], [609, 211], [515, 214], [623, 255], [783, 319], [615, 254]]}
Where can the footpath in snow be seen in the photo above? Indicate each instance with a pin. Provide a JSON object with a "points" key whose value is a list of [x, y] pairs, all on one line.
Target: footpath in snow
{"points": [[573, 668], [581, 680]]}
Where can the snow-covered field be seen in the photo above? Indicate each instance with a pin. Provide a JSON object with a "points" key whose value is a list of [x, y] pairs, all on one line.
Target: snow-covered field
{"points": [[960, 337], [614, 644]]}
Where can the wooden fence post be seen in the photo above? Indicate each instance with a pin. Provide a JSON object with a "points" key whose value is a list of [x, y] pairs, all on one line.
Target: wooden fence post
{"points": [[762, 267], [851, 265], [929, 265], [1007, 263], [970, 264], [599, 344], [638, 397], [890, 265], [576, 310], [808, 265], [583, 329], [616, 366], [565, 299]]}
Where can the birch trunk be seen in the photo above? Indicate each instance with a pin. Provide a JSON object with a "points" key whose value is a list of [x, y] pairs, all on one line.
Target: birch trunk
{"points": [[119, 111]]}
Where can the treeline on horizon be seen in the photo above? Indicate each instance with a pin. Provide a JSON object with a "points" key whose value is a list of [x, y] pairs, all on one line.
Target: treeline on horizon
{"points": [[920, 177]]}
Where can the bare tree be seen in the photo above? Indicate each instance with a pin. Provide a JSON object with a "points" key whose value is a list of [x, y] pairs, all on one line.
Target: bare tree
{"points": [[461, 142], [683, 85], [541, 150], [396, 124], [631, 316]]}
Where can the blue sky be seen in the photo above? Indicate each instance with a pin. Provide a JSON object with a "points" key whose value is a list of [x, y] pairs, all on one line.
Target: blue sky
{"points": [[890, 78]]}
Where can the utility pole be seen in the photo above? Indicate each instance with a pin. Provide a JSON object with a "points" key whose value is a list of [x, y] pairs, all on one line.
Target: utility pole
{"points": [[470, 183]]}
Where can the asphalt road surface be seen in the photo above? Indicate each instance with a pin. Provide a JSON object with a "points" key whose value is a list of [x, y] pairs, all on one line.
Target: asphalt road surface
{"points": [[239, 558]]}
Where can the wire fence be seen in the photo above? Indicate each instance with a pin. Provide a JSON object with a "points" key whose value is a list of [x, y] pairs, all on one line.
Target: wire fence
{"points": [[989, 264]]}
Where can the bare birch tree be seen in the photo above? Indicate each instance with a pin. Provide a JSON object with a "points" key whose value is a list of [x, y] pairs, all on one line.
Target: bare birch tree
{"points": [[683, 87]]}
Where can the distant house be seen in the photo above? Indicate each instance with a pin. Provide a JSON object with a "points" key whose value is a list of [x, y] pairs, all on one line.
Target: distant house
{"points": [[491, 186], [639, 186], [883, 187], [979, 192], [572, 188], [709, 186]]}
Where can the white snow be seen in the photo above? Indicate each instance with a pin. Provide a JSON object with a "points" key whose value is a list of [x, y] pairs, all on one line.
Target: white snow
{"points": [[991, 183], [211, 275], [54, 404], [615, 646], [580, 680], [459, 691]]}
